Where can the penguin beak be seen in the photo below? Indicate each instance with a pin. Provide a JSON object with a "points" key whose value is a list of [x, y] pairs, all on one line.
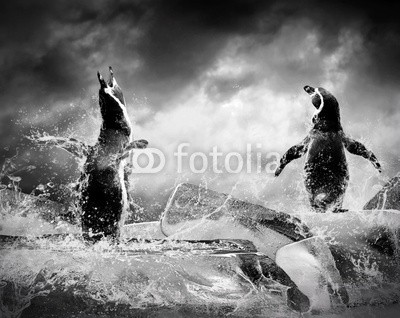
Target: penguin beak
{"points": [[309, 90], [111, 82], [102, 82]]}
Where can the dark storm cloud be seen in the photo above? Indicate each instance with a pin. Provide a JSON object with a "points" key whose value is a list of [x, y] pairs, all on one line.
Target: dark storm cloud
{"points": [[43, 55], [54, 47], [379, 25], [51, 49], [183, 38]]}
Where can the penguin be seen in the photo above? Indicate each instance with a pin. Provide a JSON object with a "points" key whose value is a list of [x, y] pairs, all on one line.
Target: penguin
{"points": [[104, 197], [326, 172], [103, 200]]}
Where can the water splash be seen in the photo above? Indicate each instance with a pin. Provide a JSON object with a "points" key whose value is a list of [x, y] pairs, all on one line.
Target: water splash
{"points": [[144, 277], [140, 276]]}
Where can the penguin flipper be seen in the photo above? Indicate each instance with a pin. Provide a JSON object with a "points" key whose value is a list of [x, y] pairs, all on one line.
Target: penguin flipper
{"points": [[294, 152], [136, 144], [71, 145], [141, 144], [357, 148]]}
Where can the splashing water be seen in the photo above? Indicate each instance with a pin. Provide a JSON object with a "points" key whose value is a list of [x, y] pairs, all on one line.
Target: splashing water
{"points": [[135, 278], [61, 276]]}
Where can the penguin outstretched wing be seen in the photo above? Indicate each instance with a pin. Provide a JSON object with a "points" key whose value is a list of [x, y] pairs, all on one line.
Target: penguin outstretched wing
{"points": [[294, 152], [71, 145], [136, 144], [357, 148]]}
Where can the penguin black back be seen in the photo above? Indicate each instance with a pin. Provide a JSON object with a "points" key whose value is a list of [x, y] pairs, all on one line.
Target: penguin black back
{"points": [[326, 172], [104, 198]]}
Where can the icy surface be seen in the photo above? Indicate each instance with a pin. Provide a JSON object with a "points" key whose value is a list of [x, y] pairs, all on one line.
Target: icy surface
{"points": [[63, 277]]}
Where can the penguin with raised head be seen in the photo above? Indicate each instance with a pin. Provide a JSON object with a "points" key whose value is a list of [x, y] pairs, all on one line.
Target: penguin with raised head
{"points": [[103, 197], [102, 188], [326, 172]]}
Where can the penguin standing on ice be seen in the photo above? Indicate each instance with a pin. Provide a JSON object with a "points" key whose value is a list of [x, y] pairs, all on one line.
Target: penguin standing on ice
{"points": [[326, 171], [103, 196]]}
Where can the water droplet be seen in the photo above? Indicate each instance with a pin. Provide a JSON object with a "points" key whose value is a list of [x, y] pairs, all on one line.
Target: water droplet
{"points": [[377, 187], [14, 178], [320, 197], [41, 187]]}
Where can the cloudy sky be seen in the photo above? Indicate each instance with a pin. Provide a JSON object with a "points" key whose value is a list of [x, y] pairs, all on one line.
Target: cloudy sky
{"points": [[224, 73]]}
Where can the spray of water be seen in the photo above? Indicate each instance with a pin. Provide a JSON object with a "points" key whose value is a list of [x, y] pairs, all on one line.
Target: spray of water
{"points": [[146, 275]]}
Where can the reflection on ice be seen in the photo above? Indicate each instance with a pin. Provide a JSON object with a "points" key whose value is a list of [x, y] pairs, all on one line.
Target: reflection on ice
{"points": [[61, 276], [103, 276]]}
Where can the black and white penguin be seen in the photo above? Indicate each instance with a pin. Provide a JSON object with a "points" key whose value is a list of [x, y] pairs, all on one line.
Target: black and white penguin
{"points": [[326, 172], [103, 197]]}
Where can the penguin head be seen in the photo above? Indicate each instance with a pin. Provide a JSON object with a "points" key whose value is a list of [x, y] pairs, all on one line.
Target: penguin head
{"points": [[327, 107], [112, 105]]}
